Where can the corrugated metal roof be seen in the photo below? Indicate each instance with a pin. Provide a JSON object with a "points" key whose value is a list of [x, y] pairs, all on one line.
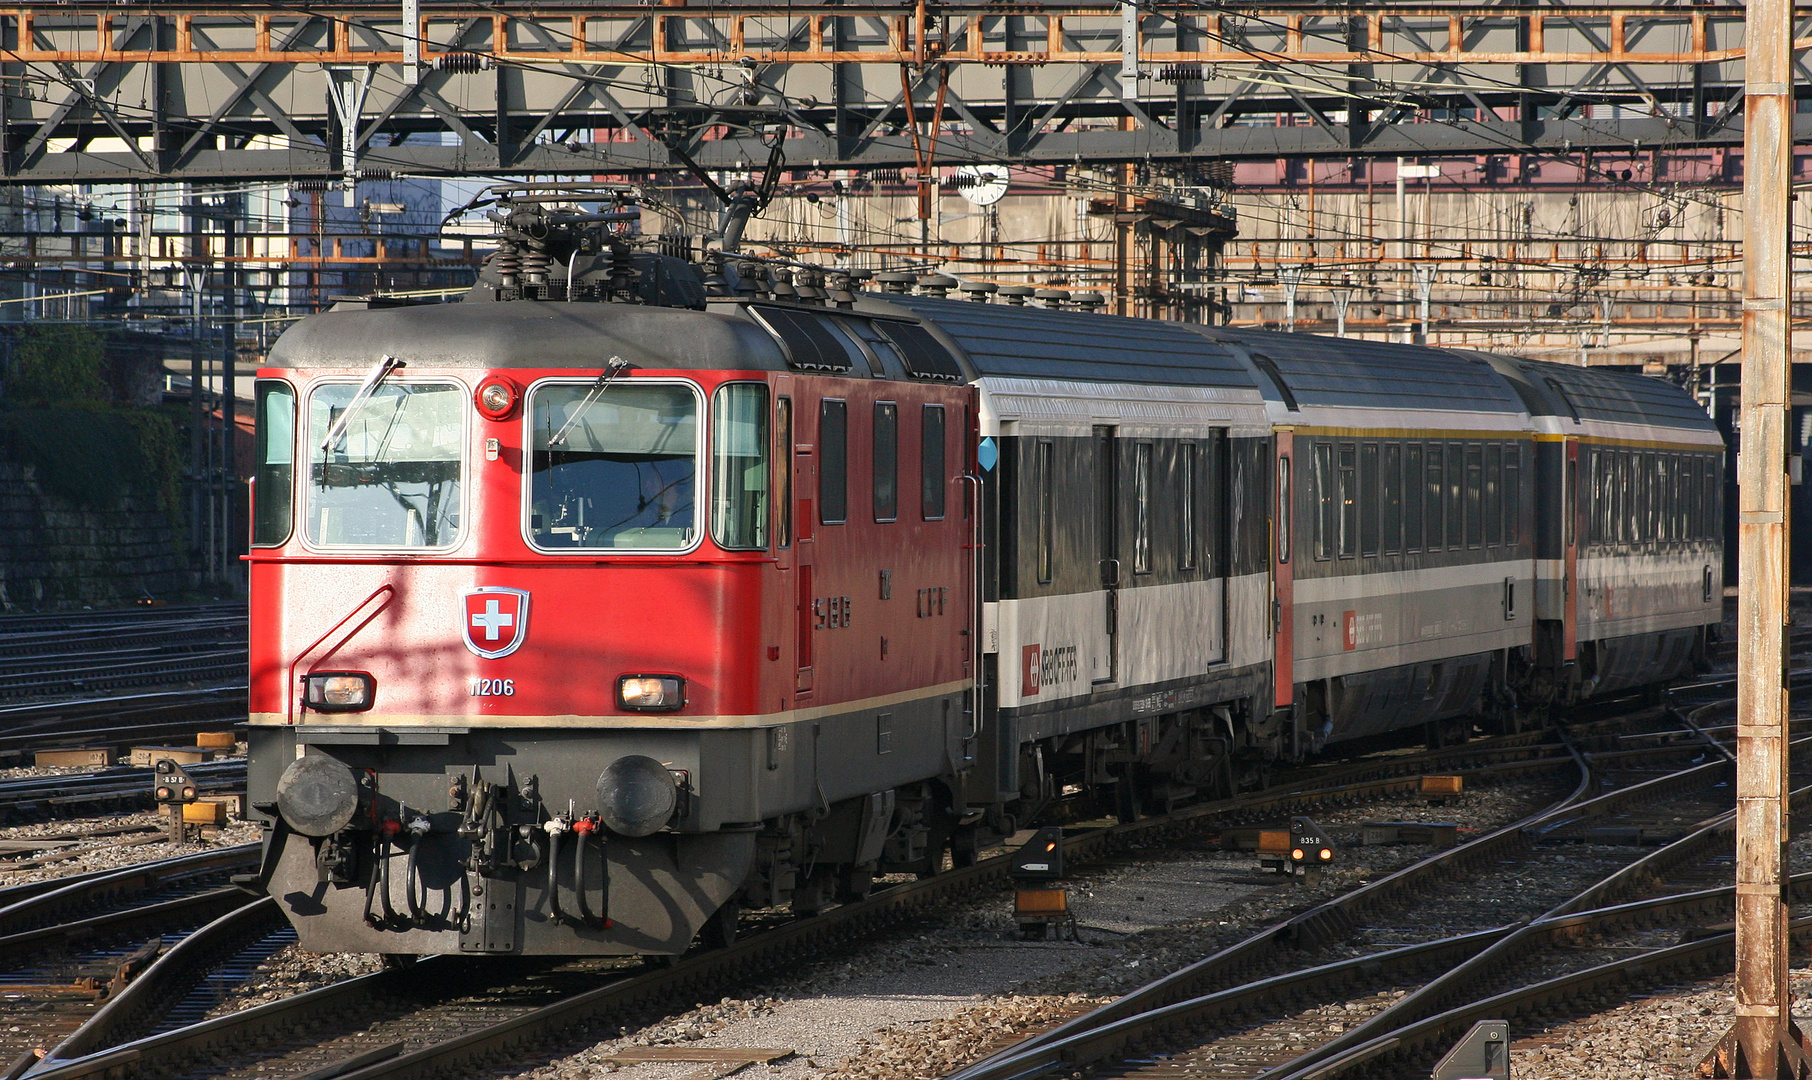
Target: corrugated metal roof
{"points": [[1376, 374], [1001, 339], [1619, 396]]}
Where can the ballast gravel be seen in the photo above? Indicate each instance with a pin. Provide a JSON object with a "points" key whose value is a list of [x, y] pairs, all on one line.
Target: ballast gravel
{"points": [[920, 1003], [110, 852]]}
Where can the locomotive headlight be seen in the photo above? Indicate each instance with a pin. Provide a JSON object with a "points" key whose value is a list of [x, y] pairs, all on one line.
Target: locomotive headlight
{"points": [[338, 691], [651, 693], [317, 795], [496, 399], [636, 795]]}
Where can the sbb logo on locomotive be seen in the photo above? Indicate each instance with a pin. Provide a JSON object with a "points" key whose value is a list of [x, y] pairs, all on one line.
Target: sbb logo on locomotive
{"points": [[1046, 667]]}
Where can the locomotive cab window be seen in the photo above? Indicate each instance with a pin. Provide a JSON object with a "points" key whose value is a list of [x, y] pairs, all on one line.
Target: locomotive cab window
{"points": [[931, 463], [613, 466], [274, 491], [833, 469], [739, 467], [391, 476]]}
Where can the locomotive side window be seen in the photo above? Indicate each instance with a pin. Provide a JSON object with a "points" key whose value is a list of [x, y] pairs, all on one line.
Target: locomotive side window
{"points": [[739, 467], [833, 471], [613, 466], [783, 471], [274, 492], [931, 463], [887, 461], [391, 477]]}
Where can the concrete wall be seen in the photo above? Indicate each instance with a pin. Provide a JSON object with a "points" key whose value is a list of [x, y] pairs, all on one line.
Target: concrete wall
{"points": [[56, 554]]}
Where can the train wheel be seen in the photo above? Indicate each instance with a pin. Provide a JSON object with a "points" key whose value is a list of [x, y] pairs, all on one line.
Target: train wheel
{"points": [[720, 929], [963, 845]]}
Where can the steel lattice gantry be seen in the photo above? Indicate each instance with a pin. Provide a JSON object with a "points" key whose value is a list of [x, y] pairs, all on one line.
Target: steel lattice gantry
{"points": [[117, 93]]}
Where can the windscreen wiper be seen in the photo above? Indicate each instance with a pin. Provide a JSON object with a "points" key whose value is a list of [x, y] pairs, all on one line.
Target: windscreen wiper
{"points": [[379, 372], [615, 366]]}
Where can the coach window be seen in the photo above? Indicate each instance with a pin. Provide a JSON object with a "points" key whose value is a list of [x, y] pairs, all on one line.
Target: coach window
{"points": [[1324, 500], [1047, 508], [1494, 494], [739, 467], [1186, 506], [887, 461], [1283, 509], [1142, 508], [1455, 510], [390, 477], [1346, 490], [931, 463], [1368, 498], [1433, 488], [1513, 492], [1213, 479], [1393, 498], [1475, 482], [613, 466], [833, 468], [274, 486], [1412, 497]]}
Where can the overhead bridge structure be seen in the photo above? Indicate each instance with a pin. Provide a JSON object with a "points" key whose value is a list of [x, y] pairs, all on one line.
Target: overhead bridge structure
{"points": [[170, 92]]}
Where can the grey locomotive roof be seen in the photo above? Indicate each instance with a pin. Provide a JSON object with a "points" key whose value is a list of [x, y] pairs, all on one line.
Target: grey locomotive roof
{"points": [[1037, 343], [1347, 372], [1600, 394], [528, 334]]}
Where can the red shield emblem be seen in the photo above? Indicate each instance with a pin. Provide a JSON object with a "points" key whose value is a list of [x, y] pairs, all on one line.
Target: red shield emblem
{"points": [[496, 620]]}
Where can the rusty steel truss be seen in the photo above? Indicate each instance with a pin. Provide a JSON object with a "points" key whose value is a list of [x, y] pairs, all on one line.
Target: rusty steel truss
{"points": [[112, 94]]}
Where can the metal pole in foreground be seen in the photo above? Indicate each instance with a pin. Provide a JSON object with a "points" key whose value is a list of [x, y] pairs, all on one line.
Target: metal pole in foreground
{"points": [[1765, 1042]]}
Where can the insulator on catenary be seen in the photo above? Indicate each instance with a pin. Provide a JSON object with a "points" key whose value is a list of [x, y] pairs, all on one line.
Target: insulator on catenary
{"points": [[377, 174], [462, 63], [1180, 73], [312, 183]]}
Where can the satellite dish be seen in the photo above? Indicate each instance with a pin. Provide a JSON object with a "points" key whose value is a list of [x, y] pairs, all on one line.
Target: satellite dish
{"points": [[983, 185]]}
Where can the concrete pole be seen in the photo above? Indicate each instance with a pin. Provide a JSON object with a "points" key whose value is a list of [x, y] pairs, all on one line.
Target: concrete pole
{"points": [[1762, 909]]}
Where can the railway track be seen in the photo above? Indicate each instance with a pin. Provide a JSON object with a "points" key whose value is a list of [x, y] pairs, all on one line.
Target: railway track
{"points": [[85, 652], [411, 1012], [1409, 974], [68, 945], [42, 798], [118, 721]]}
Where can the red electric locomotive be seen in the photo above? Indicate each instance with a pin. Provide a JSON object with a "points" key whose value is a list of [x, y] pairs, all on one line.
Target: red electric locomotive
{"points": [[565, 599]]}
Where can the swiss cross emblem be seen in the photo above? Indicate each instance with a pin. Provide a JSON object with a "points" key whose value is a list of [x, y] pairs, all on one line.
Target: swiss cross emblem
{"points": [[496, 620]]}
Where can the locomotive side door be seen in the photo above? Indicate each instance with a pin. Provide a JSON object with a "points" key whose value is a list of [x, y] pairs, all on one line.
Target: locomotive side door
{"points": [[804, 487], [1572, 521], [1283, 626]]}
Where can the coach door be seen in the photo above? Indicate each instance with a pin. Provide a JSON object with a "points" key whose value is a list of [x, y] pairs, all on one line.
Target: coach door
{"points": [[1283, 632], [1572, 521], [1103, 628]]}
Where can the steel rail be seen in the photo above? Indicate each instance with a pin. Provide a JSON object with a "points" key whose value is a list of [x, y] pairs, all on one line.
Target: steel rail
{"points": [[800, 937], [204, 905], [1336, 917], [65, 894]]}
